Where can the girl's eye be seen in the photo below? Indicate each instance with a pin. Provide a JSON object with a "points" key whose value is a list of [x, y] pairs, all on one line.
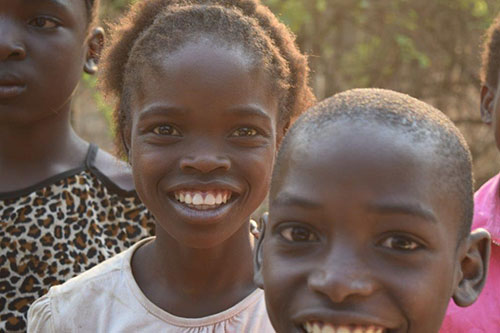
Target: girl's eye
{"points": [[166, 130], [245, 131], [298, 234], [44, 23], [400, 243]]}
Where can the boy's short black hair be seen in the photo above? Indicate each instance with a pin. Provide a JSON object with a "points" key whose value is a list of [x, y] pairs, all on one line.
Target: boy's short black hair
{"points": [[491, 55], [154, 25], [422, 122]]}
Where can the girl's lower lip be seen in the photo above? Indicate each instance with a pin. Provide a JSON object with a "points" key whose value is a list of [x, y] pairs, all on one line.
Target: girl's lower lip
{"points": [[11, 91]]}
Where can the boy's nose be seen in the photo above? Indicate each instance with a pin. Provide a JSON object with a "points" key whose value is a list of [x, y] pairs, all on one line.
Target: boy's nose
{"points": [[341, 280], [11, 47], [205, 162]]}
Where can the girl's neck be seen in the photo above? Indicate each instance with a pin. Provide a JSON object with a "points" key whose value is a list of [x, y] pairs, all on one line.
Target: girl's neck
{"points": [[33, 152], [195, 283]]}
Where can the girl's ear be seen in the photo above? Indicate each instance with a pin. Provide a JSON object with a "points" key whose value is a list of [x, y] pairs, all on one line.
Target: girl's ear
{"points": [[487, 104], [95, 43], [125, 136], [257, 262], [473, 268]]}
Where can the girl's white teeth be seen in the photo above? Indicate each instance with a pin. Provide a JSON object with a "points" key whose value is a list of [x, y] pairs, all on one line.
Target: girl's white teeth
{"points": [[197, 199], [210, 199], [319, 327], [203, 198], [218, 199]]}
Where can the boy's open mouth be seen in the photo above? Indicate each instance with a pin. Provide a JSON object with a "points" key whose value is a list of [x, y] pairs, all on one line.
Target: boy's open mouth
{"points": [[322, 327], [203, 199]]}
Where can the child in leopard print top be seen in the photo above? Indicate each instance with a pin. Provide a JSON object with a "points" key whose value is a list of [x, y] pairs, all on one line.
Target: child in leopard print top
{"points": [[64, 205]]}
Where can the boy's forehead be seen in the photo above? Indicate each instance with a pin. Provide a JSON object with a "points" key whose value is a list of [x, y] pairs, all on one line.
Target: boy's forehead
{"points": [[349, 148], [339, 162]]}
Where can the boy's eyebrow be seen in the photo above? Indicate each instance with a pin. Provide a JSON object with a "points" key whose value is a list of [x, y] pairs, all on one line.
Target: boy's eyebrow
{"points": [[407, 208], [288, 199]]}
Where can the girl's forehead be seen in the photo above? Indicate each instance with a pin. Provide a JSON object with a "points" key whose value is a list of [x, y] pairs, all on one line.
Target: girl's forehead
{"points": [[205, 49], [204, 71]]}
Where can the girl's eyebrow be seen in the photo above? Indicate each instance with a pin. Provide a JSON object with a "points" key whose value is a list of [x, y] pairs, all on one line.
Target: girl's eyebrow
{"points": [[242, 111], [251, 110], [159, 110]]}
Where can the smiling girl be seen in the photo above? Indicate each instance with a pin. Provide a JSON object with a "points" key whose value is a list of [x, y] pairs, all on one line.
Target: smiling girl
{"points": [[206, 91], [65, 205]]}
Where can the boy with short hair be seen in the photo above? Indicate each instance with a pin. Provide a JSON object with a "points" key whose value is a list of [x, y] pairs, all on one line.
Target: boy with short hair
{"points": [[369, 222]]}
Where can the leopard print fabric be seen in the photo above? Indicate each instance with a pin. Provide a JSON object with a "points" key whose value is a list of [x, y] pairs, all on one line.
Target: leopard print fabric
{"points": [[58, 231]]}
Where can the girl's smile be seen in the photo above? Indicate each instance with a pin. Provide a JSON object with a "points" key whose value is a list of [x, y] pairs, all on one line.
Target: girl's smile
{"points": [[204, 203]]}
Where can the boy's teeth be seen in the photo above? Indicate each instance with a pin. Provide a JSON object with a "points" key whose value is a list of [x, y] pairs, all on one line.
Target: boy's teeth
{"points": [[203, 198], [319, 327]]}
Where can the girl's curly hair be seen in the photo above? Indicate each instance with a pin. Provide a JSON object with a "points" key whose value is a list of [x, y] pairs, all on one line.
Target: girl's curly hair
{"points": [[155, 26]]}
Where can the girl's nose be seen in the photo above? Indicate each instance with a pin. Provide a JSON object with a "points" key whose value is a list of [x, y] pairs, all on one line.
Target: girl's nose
{"points": [[11, 47], [341, 280], [205, 162]]}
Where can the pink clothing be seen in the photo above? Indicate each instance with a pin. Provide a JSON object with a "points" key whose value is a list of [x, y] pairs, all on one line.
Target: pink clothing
{"points": [[484, 314]]}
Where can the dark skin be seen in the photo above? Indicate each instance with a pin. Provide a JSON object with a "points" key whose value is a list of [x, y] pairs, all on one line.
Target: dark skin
{"points": [[44, 47], [490, 108], [359, 237], [204, 121]]}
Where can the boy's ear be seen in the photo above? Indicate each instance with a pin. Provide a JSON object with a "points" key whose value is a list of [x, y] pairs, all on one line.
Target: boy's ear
{"points": [[487, 104], [95, 43], [473, 268], [257, 259]]}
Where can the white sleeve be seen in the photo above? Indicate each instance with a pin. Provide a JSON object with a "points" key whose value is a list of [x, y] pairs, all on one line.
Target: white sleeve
{"points": [[40, 316]]}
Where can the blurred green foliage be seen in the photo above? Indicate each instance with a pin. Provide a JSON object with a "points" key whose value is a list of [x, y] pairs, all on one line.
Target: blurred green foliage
{"points": [[429, 49]]}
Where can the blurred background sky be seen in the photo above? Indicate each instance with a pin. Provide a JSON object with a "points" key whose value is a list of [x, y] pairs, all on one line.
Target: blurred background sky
{"points": [[429, 49]]}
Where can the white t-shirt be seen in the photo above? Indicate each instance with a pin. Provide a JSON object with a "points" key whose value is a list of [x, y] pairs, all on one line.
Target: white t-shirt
{"points": [[107, 299]]}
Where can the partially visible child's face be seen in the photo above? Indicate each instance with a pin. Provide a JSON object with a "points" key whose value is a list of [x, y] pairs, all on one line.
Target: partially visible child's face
{"points": [[42, 54], [203, 140], [359, 237], [490, 108]]}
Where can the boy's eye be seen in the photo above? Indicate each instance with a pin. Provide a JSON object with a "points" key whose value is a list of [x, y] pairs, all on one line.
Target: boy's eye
{"points": [[298, 234], [245, 131], [400, 243], [166, 130], [44, 23]]}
